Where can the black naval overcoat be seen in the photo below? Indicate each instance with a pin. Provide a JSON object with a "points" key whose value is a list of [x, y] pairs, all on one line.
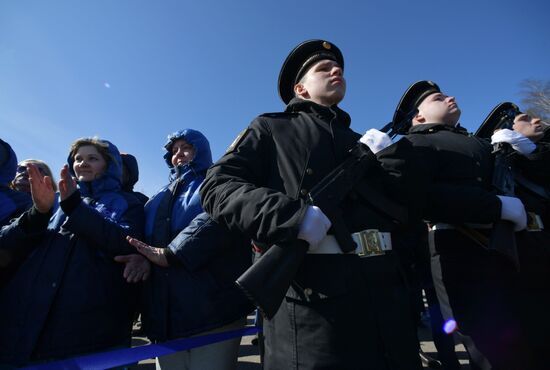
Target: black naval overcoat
{"points": [[533, 188], [342, 311], [477, 290], [457, 168]]}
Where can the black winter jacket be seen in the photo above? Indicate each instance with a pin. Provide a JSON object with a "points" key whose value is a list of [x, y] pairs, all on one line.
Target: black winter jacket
{"points": [[259, 186]]}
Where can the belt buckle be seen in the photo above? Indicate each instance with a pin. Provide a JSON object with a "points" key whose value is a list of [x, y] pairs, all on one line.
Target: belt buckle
{"points": [[370, 241], [534, 222]]}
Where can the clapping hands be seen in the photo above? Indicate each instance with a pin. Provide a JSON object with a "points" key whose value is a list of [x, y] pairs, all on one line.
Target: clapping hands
{"points": [[43, 195], [67, 184]]}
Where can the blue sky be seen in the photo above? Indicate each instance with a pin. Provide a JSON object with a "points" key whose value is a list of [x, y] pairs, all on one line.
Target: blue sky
{"points": [[132, 71]]}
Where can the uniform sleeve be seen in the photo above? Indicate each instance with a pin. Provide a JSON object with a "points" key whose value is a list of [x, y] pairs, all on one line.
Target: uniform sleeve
{"points": [[201, 242], [456, 204], [107, 234], [405, 177], [450, 202], [536, 166], [236, 192]]}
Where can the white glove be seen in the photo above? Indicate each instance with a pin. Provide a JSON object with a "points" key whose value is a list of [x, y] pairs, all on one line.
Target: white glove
{"points": [[519, 142], [514, 211], [376, 140], [314, 226]]}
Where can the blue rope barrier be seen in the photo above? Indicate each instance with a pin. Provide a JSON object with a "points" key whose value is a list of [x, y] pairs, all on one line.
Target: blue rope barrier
{"points": [[125, 356]]}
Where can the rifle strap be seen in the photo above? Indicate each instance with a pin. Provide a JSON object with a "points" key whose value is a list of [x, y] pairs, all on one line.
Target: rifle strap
{"points": [[473, 235]]}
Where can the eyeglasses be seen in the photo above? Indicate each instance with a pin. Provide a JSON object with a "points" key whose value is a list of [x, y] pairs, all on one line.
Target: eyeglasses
{"points": [[23, 170]]}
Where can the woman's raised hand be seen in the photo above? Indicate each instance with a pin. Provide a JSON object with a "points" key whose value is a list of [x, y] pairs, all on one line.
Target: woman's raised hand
{"points": [[67, 185], [43, 195], [155, 255]]}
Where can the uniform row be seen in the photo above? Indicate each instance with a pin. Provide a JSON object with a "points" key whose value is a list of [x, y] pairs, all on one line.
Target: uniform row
{"points": [[343, 225]]}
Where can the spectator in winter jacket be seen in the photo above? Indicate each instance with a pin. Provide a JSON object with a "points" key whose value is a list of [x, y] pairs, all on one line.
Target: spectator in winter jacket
{"points": [[11, 253], [193, 278], [68, 297], [21, 180], [130, 176], [12, 203]]}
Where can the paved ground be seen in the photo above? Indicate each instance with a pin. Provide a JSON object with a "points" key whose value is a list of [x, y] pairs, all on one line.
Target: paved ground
{"points": [[249, 358]]}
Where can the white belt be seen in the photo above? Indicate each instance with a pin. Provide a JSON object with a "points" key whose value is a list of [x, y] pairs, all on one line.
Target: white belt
{"points": [[534, 223], [444, 226], [369, 242]]}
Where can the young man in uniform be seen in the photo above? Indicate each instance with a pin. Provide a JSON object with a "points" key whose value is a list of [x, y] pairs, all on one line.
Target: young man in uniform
{"points": [[529, 139], [341, 311], [473, 284]]}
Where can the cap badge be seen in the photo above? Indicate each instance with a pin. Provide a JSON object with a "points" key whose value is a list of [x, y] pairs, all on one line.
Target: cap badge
{"points": [[326, 45]]}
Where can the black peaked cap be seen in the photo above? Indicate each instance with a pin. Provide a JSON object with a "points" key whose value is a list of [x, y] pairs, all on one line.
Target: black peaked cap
{"points": [[300, 59], [411, 99], [502, 116]]}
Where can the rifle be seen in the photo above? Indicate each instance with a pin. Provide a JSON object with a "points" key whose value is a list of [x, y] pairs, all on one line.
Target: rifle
{"points": [[266, 282], [399, 128], [503, 237]]}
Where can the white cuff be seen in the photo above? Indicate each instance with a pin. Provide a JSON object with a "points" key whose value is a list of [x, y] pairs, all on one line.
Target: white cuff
{"points": [[314, 226], [513, 210], [519, 142], [376, 140]]}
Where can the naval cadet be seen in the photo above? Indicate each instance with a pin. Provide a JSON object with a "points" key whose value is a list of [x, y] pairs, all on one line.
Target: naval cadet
{"points": [[473, 284], [529, 138], [343, 310]]}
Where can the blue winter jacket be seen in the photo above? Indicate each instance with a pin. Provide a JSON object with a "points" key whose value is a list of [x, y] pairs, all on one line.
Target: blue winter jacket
{"points": [[69, 296], [182, 202], [12, 252], [12, 202], [196, 292]]}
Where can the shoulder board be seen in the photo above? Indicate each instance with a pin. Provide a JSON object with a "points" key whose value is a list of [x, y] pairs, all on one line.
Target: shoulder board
{"points": [[237, 140]]}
